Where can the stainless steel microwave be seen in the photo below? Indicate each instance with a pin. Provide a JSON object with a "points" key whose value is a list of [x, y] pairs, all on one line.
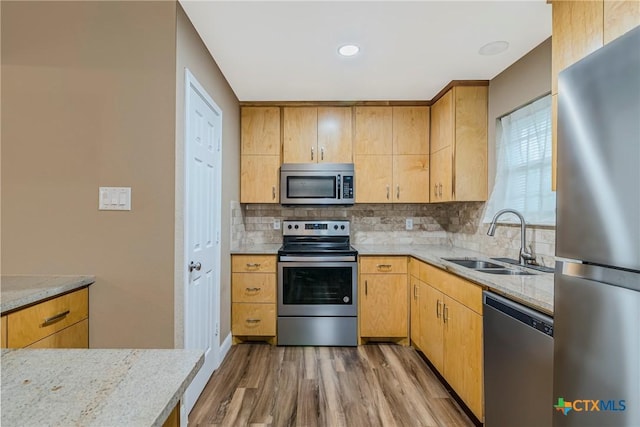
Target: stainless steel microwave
{"points": [[317, 184]]}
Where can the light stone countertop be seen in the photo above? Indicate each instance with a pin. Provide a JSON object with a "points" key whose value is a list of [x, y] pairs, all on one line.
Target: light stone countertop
{"points": [[262, 248], [17, 291], [535, 291], [94, 387]]}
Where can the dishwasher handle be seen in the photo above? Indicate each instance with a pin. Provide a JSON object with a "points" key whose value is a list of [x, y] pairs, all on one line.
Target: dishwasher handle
{"points": [[526, 315]]}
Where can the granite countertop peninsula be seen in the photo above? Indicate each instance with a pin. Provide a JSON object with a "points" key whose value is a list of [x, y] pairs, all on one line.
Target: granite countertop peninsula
{"points": [[535, 291], [18, 291], [94, 387]]}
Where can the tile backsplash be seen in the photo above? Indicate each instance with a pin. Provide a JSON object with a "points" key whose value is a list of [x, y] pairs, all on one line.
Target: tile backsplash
{"points": [[457, 224]]}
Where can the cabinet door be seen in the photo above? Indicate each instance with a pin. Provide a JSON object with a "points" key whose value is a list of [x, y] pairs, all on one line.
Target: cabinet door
{"points": [[260, 131], [470, 143], [384, 305], [253, 319], [414, 287], [431, 307], [620, 17], [300, 130], [577, 28], [410, 130], [75, 336], [373, 130], [3, 332], [442, 122], [374, 177], [463, 353], [441, 175], [259, 176], [411, 179], [335, 135]]}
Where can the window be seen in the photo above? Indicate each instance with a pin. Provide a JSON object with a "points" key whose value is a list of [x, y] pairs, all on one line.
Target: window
{"points": [[523, 165]]}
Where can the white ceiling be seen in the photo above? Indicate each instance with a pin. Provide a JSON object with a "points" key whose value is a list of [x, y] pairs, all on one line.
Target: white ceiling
{"points": [[287, 50]]}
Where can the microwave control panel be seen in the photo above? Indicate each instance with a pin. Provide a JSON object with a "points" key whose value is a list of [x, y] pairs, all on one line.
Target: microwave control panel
{"points": [[347, 187]]}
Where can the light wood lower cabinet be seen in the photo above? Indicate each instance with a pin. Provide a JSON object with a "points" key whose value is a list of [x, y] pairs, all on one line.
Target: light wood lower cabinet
{"points": [[449, 331], [384, 299], [61, 322], [253, 297], [3, 332]]}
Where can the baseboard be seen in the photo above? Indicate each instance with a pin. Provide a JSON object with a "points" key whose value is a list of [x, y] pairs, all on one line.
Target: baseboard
{"points": [[224, 348]]}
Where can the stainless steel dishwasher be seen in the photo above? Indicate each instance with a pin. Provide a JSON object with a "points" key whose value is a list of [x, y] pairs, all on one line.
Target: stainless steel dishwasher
{"points": [[518, 364]]}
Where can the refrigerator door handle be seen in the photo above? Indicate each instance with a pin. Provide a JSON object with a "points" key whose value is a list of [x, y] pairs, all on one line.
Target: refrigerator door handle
{"points": [[612, 276]]}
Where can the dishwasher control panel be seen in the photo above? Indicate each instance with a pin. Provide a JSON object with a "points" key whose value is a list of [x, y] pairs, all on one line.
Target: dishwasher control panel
{"points": [[542, 326], [526, 315]]}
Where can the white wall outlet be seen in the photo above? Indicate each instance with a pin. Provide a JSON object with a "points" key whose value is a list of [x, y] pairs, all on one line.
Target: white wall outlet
{"points": [[408, 224], [276, 224], [114, 198]]}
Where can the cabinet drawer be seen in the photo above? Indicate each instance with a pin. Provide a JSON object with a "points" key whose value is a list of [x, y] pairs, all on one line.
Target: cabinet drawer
{"points": [[253, 319], [253, 287], [253, 264], [456, 287], [75, 336], [374, 264], [31, 324]]}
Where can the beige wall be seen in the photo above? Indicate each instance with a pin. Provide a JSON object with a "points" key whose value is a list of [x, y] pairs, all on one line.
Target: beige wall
{"points": [[88, 100], [524, 81], [192, 54]]}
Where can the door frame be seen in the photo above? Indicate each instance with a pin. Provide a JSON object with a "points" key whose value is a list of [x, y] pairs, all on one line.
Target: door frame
{"points": [[191, 81]]}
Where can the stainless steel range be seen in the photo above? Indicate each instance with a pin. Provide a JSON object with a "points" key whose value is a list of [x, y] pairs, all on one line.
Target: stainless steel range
{"points": [[317, 285]]}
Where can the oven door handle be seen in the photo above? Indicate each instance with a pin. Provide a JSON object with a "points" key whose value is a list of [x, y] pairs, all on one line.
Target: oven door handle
{"points": [[344, 258]]}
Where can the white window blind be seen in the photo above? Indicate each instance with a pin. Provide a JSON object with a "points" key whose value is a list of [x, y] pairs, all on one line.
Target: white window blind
{"points": [[523, 165]]}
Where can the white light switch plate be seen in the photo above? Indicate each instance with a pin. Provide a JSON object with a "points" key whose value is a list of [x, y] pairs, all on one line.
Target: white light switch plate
{"points": [[114, 199], [408, 225], [276, 224]]}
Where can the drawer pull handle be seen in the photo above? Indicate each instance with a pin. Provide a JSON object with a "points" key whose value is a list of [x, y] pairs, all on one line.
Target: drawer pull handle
{"points": [[384, 266], [53, 319], [253, 289], [252, 320], [253, 265]]}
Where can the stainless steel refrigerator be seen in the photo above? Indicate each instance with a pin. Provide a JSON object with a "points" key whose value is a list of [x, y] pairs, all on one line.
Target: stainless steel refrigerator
{"points": [[597, 286]]}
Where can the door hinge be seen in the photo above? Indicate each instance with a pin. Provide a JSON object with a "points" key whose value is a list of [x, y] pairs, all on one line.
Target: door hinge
{"points": [[219, 144], [217, 237], [217, 329]]}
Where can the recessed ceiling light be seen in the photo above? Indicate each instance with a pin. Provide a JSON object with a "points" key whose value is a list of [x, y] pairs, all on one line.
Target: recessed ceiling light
{"points": [[348, 50], [493, 48]]}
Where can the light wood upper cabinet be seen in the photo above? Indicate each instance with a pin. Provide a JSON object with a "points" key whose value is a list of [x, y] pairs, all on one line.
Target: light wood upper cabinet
{"points": [[373, 131], [374, 177], [317, 135], [459, 138], [391, 154], [300, 144], [410, 178], [620, 17], [259, 178], [410, 130], [260, 131], [335, 131], [577, 28], [260, 155], [384, 299]]}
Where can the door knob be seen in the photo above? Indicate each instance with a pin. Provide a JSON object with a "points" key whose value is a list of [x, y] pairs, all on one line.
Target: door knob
{"points": [[194, 266]]}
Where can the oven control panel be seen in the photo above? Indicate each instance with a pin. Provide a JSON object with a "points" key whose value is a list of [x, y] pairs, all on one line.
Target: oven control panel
{"points": [[315, 228]]}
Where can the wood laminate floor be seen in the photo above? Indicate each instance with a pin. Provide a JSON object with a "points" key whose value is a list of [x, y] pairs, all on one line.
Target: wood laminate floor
{"points": [[372, 385]]}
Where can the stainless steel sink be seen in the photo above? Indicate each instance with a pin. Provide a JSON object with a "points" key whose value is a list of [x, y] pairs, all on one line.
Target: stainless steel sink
{"points": [[504, 270], [473, 263], [487, 267]]}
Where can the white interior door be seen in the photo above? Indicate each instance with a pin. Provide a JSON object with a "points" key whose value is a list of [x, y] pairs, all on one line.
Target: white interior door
{"points": [[203, 127]]}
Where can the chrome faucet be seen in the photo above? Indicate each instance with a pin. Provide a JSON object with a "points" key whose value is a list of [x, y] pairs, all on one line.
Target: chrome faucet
{"points": [[525, 258]]}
